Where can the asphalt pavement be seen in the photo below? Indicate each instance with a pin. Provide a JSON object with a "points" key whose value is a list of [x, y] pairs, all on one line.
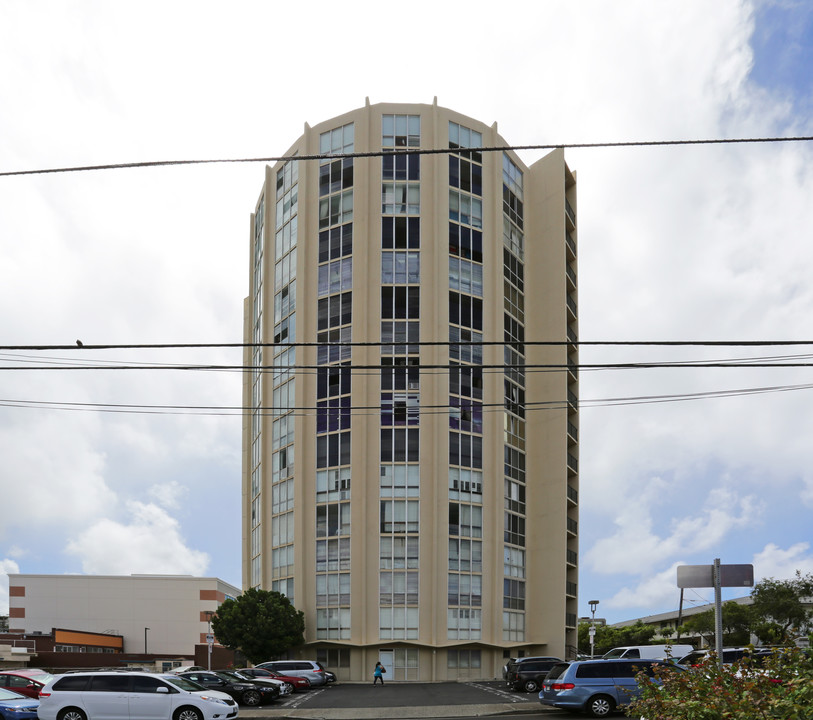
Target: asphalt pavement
{"points": [[365, 701]]}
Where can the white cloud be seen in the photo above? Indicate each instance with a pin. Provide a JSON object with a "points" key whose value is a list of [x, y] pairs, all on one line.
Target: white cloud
{"points": [[150, 543], [774, 562], [637, 546], [169, 495], [655, 591], [6, 567]]}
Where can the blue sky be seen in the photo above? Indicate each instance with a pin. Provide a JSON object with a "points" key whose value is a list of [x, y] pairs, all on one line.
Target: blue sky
{"points": [[676, 243]]}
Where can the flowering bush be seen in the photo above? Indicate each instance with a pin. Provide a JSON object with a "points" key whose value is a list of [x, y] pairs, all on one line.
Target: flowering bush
{"points": [[779, 687]]}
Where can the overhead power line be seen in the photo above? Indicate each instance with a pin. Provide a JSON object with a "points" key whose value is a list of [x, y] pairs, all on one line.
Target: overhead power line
{"points": [[405, 151], [529, 407], [424, 343]]}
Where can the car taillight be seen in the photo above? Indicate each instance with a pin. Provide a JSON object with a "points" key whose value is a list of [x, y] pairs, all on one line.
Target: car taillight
{"points": [[45, 694], [562, 686]]}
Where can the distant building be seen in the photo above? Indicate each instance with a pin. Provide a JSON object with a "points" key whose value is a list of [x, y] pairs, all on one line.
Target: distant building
{"points": [[152, 614], [668, 621], [410, 474]]}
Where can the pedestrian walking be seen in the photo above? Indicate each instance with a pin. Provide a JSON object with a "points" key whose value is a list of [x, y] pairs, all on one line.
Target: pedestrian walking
{"points": [[378, 673]]}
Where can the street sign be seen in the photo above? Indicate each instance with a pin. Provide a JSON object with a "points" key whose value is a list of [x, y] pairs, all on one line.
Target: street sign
{"points": [[210, 638], [715, 576], [702, 576]]}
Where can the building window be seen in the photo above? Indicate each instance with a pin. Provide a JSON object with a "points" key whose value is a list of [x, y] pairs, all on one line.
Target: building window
{"points": [[463, 659], [399, 516], [333, 657], [400, 131], [513, 626]]}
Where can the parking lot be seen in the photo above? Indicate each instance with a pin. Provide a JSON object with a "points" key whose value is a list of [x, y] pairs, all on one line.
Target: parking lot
{"points": [[357, 701]]}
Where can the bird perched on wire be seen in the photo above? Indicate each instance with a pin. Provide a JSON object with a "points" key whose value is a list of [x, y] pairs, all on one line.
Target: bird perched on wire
{"points": [[79, 343]]}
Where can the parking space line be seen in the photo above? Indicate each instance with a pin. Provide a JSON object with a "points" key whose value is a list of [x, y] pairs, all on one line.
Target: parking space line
{"points": [[511, 697]]}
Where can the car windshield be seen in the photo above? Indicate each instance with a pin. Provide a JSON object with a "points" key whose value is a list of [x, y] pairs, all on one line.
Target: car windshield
{"points": [[9, 695], [233, 675], [184, 683], [616, 653]]}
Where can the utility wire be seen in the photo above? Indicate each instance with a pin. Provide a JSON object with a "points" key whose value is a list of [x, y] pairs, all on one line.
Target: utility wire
{"points": [[405, 151], [231, 410], [423, 343]]}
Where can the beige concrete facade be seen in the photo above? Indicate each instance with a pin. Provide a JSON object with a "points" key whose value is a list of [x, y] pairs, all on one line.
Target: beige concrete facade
{"points": [[172, 607], [428, 613]]}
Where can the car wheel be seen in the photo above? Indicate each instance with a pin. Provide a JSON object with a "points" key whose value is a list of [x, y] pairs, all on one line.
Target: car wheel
{"points": [[252, 698], [531, 686], [71, 713], [187, 712], [288, 688], [600, 706]]}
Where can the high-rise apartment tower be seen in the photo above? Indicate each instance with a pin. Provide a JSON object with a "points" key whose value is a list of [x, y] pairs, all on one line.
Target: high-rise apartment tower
{"points": [[410, 442]]}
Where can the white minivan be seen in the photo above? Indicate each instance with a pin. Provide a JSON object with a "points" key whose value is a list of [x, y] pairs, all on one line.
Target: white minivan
{"points": [[122, 695], [651, 652]]}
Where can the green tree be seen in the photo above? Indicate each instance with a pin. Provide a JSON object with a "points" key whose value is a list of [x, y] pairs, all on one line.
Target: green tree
{"points": [[609, 637], [778, 612], [260, 623], [737, 624]]}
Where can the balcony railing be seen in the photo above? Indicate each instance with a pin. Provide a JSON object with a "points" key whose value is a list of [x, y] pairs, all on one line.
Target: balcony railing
{"points": [[572, 557], [571, 335], [572, 430], [572, 399], [571, 243], [572, 463], [571, 303], [571, 273], [570, 213], [572, 526], [572, 494], [572, 589], [570, 620]]}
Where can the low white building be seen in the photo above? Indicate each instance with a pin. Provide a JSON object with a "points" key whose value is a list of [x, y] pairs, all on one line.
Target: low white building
{"points": [[160, 614]]}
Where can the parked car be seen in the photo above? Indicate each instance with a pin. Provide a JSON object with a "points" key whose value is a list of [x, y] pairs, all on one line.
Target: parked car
{"points": [[653, 652], [596, 687], [285, 688], [513, 661], [245, 692], [301, 684], [298, 668], [25, 681], [131, 695], [14, 706], [528, 673], [730, 655]]}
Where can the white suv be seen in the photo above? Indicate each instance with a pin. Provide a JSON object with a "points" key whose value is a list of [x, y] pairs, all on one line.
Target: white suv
{"points": [[120, 695]]}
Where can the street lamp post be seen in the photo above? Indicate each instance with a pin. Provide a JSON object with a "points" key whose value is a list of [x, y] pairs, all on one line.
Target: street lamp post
{"points": [[593, 605]]}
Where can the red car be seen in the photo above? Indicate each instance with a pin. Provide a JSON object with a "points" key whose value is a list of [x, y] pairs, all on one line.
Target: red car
{"points": [[25, 681], [300, 684]]}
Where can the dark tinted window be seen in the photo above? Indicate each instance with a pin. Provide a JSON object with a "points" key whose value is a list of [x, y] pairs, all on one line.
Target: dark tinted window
{"points": [[557, 671], [597, 670], [142, 684], [110, 683], [631, 669], [15, 681], [72, 682]]}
